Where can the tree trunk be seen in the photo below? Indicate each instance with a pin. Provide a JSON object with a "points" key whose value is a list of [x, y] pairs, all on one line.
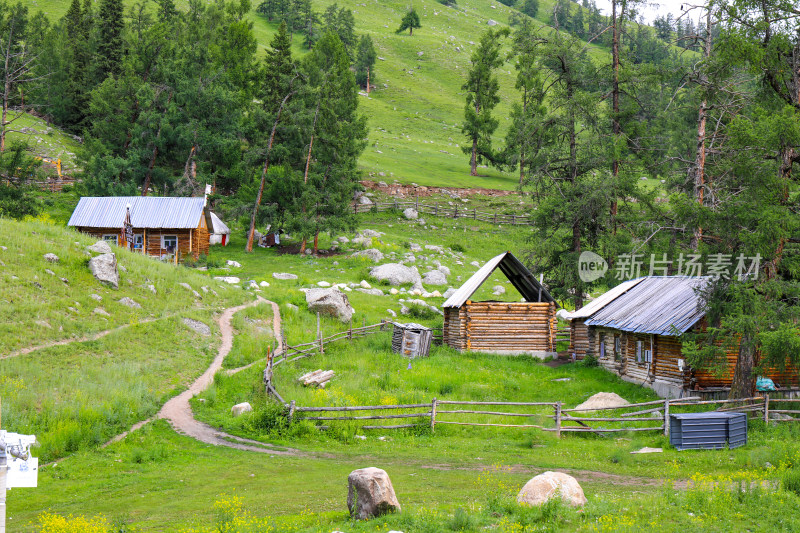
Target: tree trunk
{"points": [[744, 380], [252, 231], [316, 242], [473, 159], [700, 155], [152, 164], [522, 138], [367, 81], [616, 129]]}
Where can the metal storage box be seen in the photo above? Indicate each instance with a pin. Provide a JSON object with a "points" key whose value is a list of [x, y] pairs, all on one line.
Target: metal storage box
{"points": [[707, 430]]}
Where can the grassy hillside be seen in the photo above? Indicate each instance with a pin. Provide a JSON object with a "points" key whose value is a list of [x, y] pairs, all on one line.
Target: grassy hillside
{"points": [[45, 141], [415, 115]]}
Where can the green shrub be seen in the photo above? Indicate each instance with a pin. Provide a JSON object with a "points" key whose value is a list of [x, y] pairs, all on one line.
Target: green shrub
{"points": [[791, 480], [461, 521], [269, 419], [458, 248], [421, 312], [588, 361]]}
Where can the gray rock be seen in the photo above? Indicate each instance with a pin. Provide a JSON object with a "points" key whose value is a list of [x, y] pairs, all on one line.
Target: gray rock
{"points": [[292, 307], [371, 233], [434, 277], [197, 326], [373, 254], [434, 248], [363, 200], [104, 268], [51, 258], [283, 275], [475, 264], [100, 247], [234, 264], [323, 284], [241, 408], [48, 271], [344, 240], [366, 242], [444, 270], [233, 280], [410, 213], [415, 247], [370, 493], [498, 290], [332, 302], [186, 286], [397, 274], [544, 487], [449, 292], [373, 292], [492, 22], [152, 288], [95, 297], [100, 311], [394, 315], [130, 303]]}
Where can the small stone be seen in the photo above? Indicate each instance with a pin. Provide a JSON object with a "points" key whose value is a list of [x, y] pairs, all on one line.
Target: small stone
{"points": [[152, 288], [233, 280], [234, 264], [283, 275], [51, 258], [199, 327], [100, 311], [48, 271], [186, 286], [96, 297], [365, 285], [264, 284], [128, 302], [241, 408], [100, 247], [323, 284]]}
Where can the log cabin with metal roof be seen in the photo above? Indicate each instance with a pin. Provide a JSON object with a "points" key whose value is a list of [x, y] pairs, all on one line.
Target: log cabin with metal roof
{"points": [[507, 328], [168, 228], [635, 331]]}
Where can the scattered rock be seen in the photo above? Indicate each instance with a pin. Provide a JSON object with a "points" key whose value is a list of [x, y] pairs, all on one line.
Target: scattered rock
{"points": [[323, 284], [371, 233], [344, 240], [394, 315], [364, 284], [292, 307], [415, 247], [43, 323], [197, 326], [152, 288], [543, 487], [434, 248], [264, 284], [100, 247], [602, 400], [283, 275], [475, 264], [330, 302], [561, 379], [186, 286], [104, 268], [410, 213], [363, 200], [444, 270], [366, 242], [234, 264], [370, 493], [51, 258], [393, 291], [372, 292], [241, 408], [100, 311], [233, 280], [128, 302], [449, 292], [434, 277], [492, 22], [96, 297], [372, 253], [48, 271], [396, 274], [498, 290]]}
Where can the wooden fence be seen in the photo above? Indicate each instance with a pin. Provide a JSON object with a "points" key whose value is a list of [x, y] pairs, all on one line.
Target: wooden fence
{"points": [[52, 185], [446, 211], [636, 417]]}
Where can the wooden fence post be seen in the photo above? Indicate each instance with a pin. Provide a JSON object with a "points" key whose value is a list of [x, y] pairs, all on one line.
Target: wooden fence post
{"points": [[513, 219], [416, 201], [495, 217], [319, 336], [475, 214], [350, 330], [433, 415], [291, 411], [558, 420], [766, 408], [395, 203], [436, 210], [455, 212], [666, 417]]}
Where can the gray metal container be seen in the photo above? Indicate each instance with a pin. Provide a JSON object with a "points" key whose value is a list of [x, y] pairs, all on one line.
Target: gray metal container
{"points": [[707, 430]]}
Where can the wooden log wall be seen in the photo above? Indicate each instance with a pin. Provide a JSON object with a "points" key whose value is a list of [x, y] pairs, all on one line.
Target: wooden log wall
{"points": [[578, 338], [190, 241], [634, 370], [504, 327], [608, 358]]}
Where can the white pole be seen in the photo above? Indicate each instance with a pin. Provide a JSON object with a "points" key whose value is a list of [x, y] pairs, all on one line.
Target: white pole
{"points": [[3, 470]]}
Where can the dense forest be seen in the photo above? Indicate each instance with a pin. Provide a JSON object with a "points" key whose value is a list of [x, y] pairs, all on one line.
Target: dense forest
{"points": [[704, 104]]}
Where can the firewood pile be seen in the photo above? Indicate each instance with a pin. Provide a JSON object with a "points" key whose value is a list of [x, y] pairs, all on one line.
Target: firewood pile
{"points": [[317, 378]]}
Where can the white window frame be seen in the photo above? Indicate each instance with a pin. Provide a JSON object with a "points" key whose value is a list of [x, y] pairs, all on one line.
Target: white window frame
{"points": [[140, 238], [602, 345], [164, 242], [111, 237]]}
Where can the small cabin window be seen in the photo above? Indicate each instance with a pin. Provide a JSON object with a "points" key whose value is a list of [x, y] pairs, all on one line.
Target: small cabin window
{"points": [[169, 243], [602, 346], [638, 351], [617, 345], [138, 241], [111, 237]]}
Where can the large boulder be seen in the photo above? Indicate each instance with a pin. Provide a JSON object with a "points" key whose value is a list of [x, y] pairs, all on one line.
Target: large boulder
{"points": [[397, 274], [241, 408], [372, 254], [434, 277], [410, 213], [104, 268], [370, 493], [100, 247], [546, 486], [331, 302]]}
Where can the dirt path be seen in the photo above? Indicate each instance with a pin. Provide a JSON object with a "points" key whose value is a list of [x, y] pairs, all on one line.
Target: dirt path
{"points": [[178, 412]]}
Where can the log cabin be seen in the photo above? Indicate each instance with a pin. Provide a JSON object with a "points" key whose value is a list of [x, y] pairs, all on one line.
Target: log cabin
{"points": [[634, 330], [168, 228], [507, 328]]}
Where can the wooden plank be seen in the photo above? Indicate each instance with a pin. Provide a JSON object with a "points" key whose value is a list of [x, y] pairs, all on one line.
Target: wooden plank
{"points": [[455, 402], [368, 417], [398, 426], [495, 413], [576, 429], [496, 425], [365, 407], [600, 419]]}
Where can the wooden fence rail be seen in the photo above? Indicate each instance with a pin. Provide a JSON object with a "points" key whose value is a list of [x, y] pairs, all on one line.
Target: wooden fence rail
{"points": [[447, 212], [564, 420]]}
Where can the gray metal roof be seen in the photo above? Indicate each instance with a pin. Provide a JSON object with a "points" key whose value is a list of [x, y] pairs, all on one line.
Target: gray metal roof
{"points": [[146, 212], [519, 276], [661, 305], [604, 299]]}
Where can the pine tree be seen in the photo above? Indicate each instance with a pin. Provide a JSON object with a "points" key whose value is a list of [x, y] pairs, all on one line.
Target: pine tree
{"points": [[482, 90], [279, 68], [529, 7], [345, 29], [110, 42], [166, 9], [410, 22], [365, 62]]}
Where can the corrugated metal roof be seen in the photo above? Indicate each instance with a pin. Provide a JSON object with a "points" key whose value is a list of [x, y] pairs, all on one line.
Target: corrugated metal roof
{"points": [[218, 225], [661, 305], [519, 276], [146, 212], [604, 299]]}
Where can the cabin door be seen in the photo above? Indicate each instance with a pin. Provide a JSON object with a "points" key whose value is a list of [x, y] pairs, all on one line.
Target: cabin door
{"points": [[410, 346]]}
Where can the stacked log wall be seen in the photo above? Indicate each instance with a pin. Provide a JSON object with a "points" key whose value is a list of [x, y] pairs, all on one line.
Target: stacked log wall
{"points": [[510, 327], [578, 338], [190, 241]]}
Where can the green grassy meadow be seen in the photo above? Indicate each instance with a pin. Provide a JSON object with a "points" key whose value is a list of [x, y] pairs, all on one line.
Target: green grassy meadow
{"points": [[75, 397]]}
